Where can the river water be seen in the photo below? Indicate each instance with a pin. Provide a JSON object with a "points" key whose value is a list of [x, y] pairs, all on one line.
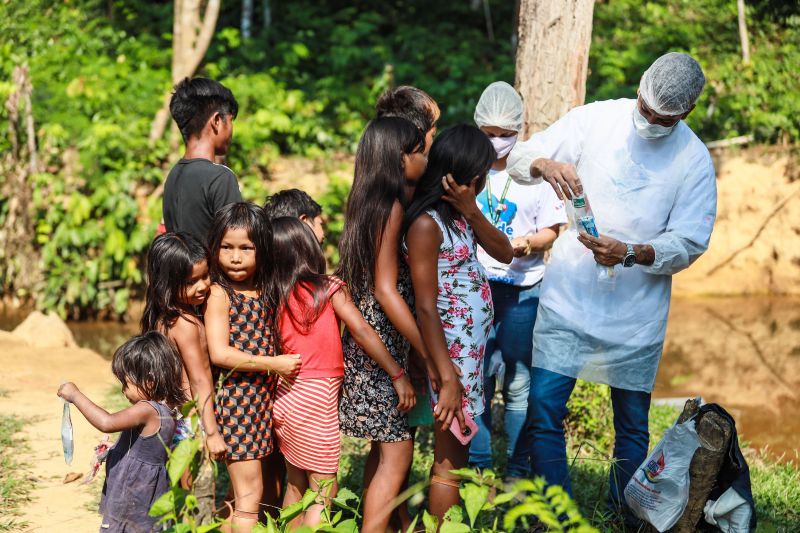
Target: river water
{"points": [[743, 353]]}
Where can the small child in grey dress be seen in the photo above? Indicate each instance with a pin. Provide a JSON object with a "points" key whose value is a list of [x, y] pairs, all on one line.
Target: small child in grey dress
{"points": [[149, 369]]}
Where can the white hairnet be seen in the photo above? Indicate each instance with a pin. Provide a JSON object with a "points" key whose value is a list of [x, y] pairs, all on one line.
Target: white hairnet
{"points": [[501, 106], [672, 84]]}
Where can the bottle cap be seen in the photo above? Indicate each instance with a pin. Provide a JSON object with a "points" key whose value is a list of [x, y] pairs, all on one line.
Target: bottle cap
{"points": [[578, 202]]}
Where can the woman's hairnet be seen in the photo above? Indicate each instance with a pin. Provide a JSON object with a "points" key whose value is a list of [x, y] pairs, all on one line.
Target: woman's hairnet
{"points": [[672, 84], [501, 106]]}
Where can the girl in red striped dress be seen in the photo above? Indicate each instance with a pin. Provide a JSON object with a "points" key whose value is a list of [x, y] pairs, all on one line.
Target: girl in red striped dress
{"points": [[305, 415]]}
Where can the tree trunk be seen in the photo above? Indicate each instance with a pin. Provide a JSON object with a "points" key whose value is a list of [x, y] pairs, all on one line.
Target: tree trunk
{"points": [[191, 36], [204, 490], [487, 14], [552, 58], [743, 33], [715, 435], [19, 257], [247, 19], [266, 12]]}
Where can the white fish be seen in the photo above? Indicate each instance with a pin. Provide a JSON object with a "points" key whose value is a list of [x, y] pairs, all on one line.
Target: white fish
{"points": [[66, 434]]}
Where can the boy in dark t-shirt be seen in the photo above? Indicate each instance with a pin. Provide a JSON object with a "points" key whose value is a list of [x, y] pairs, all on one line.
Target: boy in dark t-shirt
{"points": [[196, 187]]}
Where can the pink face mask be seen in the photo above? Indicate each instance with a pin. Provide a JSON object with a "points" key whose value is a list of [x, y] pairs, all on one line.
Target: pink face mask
{"points": [[503, 145]]}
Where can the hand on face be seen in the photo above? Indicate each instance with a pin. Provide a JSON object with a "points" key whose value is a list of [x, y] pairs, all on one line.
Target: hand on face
{"points": [[462, 197]]}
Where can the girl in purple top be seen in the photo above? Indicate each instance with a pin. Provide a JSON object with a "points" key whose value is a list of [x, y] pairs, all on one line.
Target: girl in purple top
{"points": [[149, 369]]}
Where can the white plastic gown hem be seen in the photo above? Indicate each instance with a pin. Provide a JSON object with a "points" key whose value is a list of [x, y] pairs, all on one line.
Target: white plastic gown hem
{"points": [[661, 192]]}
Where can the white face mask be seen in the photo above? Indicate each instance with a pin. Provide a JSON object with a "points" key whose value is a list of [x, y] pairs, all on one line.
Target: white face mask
{"points": [[503, 145], [647, 130]]}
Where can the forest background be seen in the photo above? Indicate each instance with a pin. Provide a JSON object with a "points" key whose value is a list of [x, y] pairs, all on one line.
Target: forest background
{"points": [[80, 179]]}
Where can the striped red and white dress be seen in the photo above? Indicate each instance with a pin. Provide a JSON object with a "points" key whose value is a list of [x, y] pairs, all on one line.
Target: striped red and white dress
{"points": [[306, 423], [305, 413]]}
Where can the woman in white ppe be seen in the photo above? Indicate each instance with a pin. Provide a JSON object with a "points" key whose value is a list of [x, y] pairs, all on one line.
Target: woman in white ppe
{"points": [[530, 216], [651, 185]]}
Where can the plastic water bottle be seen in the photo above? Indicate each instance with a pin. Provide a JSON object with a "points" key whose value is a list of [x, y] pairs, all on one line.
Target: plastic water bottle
{"points": [[584, 221]]}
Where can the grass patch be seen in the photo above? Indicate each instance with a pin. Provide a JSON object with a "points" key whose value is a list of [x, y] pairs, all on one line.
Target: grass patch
{"points": [[776, 489], [590, 453], [15, 488]]}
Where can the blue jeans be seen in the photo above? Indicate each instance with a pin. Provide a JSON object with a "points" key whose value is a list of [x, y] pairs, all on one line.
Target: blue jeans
{"points": [[549, 393], [512, 334]]}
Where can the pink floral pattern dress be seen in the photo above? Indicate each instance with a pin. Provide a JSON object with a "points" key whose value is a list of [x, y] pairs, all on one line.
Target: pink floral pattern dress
{"points": [[465, 308]]}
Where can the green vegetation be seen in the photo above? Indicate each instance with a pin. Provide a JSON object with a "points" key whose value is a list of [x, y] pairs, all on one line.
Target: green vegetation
{"points": [[776, 487], [14, 484], [487, 507], [306, 84], [759, 98]]}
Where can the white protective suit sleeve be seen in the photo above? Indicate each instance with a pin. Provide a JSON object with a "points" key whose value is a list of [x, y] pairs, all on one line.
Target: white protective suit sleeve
{"points": [[690, 223], [562, 141]]}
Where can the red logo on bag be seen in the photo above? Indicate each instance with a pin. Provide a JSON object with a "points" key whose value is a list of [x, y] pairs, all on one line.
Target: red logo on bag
{"points": [[654, 467]]}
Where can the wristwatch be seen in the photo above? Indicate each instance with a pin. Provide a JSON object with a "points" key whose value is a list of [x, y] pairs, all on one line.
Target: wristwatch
{"points": [[630, 257]]}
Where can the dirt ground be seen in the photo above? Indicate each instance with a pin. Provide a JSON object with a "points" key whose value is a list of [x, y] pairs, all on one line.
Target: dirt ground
{"points": [[755, 246], [31, 377]]}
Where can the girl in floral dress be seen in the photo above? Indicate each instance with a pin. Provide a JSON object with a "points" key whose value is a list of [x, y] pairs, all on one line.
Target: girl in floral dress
{"points": [[453, 299], [389, 160]]}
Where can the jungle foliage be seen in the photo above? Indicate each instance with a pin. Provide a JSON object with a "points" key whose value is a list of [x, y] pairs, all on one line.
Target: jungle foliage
{"points": [[306, 83]]}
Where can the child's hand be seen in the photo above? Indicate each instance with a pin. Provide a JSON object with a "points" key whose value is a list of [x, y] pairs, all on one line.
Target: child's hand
{"points": [[287, 365], [461, 197], [449, 404], [433, 375], [68, 391], [215, 445], [405, 391]]}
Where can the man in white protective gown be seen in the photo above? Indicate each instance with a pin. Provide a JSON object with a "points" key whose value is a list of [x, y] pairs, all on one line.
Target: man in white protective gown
{"points": [[650, 183]]}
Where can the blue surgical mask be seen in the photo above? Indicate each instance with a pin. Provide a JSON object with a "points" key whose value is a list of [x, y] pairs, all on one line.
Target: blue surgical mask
{"points": [[645, 130]]}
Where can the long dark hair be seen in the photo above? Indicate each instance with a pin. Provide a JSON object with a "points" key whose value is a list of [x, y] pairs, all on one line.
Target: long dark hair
{"points": [[379, 181], [250, 217], [299, 266], [169, 262], [462, 151], [151, 362]]}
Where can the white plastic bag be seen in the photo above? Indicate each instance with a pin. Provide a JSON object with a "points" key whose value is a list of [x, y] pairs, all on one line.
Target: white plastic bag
{"points": [[67, 441], [730, 513], [659, 489]]}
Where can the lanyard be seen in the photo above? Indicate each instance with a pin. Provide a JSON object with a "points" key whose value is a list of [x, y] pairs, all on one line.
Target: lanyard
{"points": [[494, 212]]}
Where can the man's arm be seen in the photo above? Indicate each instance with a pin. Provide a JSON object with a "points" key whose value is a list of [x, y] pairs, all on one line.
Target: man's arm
{"points": [[561, 145], [687, 234]]}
